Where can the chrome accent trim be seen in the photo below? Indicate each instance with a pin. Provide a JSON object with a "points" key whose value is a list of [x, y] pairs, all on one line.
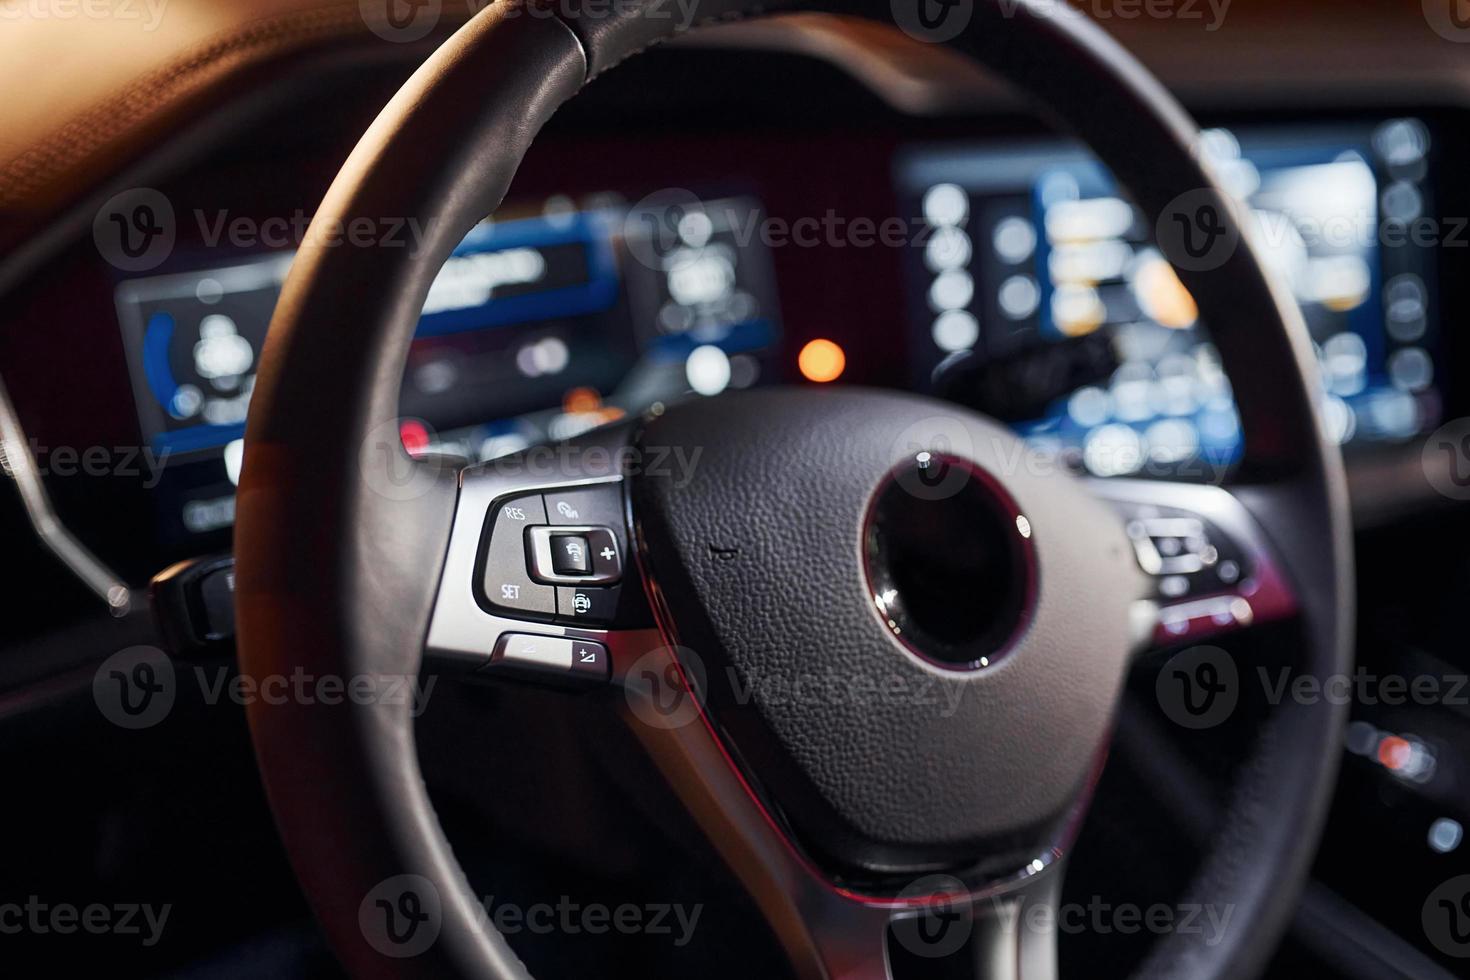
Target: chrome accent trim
{"points": [[17, 462]]}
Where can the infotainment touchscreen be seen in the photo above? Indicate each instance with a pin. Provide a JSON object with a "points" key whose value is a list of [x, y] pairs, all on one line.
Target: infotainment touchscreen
{"points": [[1034, 245]]}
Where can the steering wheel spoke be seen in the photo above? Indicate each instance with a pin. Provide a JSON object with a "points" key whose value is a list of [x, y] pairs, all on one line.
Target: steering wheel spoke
{"points": [[828, 928], [539, 582]]}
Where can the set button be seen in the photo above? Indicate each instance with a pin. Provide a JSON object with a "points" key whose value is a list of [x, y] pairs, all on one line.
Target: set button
{"points": [[506, 582]]}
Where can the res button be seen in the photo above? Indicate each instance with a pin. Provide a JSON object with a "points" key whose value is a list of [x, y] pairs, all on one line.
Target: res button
{"points": [[506, 582]]}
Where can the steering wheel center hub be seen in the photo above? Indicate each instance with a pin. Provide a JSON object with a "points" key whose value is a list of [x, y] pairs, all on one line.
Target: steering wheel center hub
{"points": [[840, 563], [949, 559]]}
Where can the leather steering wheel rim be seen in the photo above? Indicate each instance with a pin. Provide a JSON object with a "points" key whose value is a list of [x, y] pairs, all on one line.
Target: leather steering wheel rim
{"points": [[339, 578]]}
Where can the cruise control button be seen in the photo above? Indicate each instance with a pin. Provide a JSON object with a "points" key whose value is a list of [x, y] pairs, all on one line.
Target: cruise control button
{"points": [[607, 566], [552, 550], [507, 582], [554, 656], [569, 554], [590, 659], [590, 605], [551, 653], [601, 504]]}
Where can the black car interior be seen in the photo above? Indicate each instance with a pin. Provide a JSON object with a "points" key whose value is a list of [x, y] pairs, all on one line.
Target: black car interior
{"points": [[881, 394]]}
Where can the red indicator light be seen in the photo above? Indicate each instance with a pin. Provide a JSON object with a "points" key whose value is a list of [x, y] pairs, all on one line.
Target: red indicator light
{"points": [[415, 436]]}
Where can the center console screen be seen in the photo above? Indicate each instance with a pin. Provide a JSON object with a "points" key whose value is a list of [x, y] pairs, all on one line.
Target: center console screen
{"points": [[1029, 246]]}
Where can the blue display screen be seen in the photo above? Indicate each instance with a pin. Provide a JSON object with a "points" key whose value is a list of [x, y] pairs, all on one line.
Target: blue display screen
{"points": [[538, 326], [1034, 245]]}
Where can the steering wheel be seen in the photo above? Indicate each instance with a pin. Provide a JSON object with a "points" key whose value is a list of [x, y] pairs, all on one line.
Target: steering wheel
{"points": [[878, 537]]}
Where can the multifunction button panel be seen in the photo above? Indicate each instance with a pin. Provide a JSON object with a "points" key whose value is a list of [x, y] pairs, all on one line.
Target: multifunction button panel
{"points": [[555, 554], [1185, 555]]}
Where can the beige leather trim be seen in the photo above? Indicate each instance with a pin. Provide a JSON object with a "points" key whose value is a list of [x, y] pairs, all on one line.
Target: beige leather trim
{"points": [[93, 85], [105, 87]]}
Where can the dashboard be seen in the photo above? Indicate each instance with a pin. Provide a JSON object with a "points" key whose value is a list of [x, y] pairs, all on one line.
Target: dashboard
{"points": [[562, 314], [1003, 272], [678, 244]]}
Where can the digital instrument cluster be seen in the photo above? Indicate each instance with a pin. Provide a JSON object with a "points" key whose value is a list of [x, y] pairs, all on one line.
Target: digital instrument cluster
{"points": [[542, 324]]}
